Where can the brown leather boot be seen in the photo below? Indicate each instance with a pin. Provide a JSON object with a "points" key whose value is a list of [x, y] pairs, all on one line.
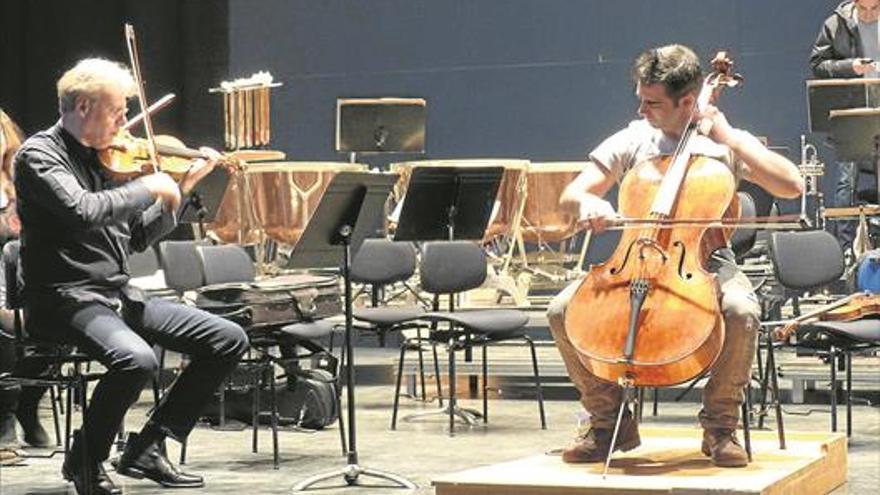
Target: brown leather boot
{"points": [[724, 448], [593, 445]]}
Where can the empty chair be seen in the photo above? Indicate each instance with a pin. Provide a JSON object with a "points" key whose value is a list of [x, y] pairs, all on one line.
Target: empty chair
{"points": [[381, 263], [449, 268], [809, 260]]}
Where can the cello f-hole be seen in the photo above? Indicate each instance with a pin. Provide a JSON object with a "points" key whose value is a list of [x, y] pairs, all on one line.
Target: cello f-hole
{"points": [[615, 271], [681, 246]]}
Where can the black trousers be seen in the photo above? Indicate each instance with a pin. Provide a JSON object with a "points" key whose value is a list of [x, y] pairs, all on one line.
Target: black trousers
{"points": [[8, 393], [122, 341]]}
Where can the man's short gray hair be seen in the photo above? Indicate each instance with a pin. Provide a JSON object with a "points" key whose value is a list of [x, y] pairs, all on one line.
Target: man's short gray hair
{"points": [[90, 77]]}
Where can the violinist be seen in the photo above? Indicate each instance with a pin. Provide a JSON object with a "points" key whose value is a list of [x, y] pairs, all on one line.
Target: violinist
{"points": [[78, 228], [668, 80]]}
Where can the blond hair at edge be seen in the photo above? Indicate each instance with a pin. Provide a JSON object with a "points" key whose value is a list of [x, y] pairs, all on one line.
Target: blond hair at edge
{"points": [[11, 138], [89, 78]]}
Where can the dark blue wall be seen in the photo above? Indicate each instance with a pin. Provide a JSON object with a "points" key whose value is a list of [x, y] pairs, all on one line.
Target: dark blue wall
{"points": [[538, 79]]}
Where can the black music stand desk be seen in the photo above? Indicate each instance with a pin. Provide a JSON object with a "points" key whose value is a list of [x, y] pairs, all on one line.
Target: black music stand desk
{"points": [[448, 203], [856, 135], [347, 211], [203, 201]]}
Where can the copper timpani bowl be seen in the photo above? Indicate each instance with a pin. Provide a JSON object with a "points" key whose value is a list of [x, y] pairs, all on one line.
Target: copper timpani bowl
{"points": [[542, 219], [274, 200]]}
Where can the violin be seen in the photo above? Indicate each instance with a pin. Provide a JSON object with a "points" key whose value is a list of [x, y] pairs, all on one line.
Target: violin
{"points": [[853, 307], [128, 157], [650, 315]]}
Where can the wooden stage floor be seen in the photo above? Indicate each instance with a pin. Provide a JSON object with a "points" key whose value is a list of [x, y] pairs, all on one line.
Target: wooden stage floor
{"points": [[668, 462]]}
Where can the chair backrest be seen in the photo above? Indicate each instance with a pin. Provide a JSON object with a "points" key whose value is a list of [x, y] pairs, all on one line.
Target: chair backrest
{"points": [[743, 239], [225, 263], [181, 265], [12, 275], [383, 262], [144, 263], [452, 266], [806, 260]]}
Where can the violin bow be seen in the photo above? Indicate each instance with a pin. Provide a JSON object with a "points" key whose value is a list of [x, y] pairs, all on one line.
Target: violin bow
{"points": [[793, 221], [131, 43], [155, 107]]}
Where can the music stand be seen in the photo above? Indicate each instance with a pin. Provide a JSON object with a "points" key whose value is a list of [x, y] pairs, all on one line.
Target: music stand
{"points": [[826, 95], [449, 203], [344, 216], [856, 135], [203, 201], [380, 125]]}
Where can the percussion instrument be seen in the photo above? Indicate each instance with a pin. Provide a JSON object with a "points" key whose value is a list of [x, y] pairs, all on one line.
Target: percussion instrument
{"points": [[274, 200], [542, 220]]}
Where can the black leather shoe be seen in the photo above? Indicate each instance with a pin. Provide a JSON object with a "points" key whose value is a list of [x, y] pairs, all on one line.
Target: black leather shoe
{"points": [[148, 461], [88, 480]]}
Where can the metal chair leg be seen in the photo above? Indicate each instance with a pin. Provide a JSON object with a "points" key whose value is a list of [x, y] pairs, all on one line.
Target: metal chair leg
{"points": [[56, 420], [421, 362], [656, 399], [255, 410], [485, 385], [437, 374], [848, 361], [538, 388], [452, 399], [274, 400], [774, 388], [832, 358], [397, 385]]}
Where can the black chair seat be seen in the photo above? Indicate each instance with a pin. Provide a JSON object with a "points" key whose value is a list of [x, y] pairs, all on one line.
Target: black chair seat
{"points": [[308, 330], [388, 315], [840, 333], [491, 322]]}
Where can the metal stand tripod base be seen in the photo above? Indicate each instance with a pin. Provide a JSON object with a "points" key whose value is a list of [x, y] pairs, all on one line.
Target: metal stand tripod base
{"points": [[469, 416], [351, 473]]}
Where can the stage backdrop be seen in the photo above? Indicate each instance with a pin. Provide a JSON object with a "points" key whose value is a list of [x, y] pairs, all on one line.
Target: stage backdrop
{"points": [[536, 79]]}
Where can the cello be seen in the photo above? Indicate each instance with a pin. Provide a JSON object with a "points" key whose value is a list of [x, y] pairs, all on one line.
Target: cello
{"points": [[650, 315]]}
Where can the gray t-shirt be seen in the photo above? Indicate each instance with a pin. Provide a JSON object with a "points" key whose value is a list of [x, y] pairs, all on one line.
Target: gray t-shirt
{"points": [[870, 35], [640, 141]]}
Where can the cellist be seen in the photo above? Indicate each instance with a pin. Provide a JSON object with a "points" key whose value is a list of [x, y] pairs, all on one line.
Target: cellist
{"points": [[668, 80]]}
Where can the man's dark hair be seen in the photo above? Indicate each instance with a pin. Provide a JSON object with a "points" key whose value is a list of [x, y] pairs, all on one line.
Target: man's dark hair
{"points": [[677, 67]]}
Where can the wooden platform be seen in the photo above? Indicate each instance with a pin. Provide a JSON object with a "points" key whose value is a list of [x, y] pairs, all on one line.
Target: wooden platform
{"points": [[669, 462]]}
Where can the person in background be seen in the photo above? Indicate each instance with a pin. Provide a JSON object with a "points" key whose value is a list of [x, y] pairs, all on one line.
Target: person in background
{"points": [[848, 46], [13, 402]]}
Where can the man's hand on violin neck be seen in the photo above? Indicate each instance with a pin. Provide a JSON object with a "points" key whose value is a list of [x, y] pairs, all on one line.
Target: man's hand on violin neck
{"points": [[199, 169], [163, 187]]}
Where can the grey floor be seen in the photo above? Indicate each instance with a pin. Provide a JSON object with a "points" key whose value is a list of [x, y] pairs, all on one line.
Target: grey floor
{"points": [[417, 450]]}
